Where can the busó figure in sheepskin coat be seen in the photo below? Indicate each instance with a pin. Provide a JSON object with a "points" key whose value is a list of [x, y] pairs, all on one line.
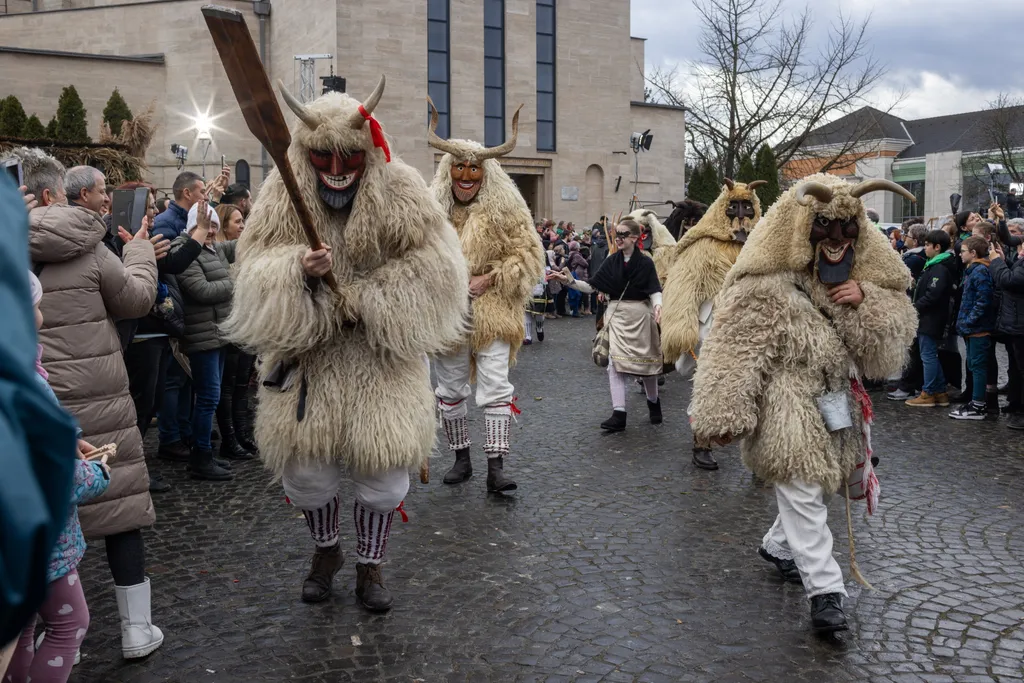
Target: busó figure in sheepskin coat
{"points": [[817, 300], [345, 387], [696, 272], [505, 260]]}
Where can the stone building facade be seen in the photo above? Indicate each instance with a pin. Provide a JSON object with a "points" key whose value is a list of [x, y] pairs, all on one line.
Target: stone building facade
{"points": [[571, 63]]}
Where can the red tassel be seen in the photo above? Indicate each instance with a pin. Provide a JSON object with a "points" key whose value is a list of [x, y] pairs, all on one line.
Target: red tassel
{"points": [[376, 133], [514, 407], [401, 511]]}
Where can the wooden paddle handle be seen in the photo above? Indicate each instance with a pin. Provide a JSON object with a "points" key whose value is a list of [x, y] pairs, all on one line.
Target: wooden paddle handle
{"points": [[305, 218], [425, 472]]}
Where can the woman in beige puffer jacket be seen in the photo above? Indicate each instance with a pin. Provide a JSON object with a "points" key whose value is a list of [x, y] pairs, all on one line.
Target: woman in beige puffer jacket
{"points": [[86, 289]]}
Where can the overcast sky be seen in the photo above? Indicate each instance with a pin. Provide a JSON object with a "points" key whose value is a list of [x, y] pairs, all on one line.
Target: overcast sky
{"points": [[949, 56]]}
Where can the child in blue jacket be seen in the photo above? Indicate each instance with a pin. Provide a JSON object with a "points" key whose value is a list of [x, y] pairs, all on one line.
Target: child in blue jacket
{"points": [[976, 322], [64, 612]]}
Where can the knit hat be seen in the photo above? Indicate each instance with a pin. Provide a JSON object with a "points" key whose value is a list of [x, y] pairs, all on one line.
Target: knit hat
{"points": [[193, 217], [36, 287], [574, 246]]}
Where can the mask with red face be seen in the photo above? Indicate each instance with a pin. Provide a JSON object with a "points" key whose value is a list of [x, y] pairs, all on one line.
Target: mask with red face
{"points": [[337, 175]]}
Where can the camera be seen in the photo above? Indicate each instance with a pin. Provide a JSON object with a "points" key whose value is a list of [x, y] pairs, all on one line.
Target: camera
{"points": [[180, 153]]}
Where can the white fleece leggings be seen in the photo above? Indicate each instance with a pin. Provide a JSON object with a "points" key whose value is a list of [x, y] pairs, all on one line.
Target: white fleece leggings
{"points": [[617, 384]]}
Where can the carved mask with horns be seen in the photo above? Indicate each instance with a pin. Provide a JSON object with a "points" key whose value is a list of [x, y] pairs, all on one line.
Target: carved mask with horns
{"points": [[467, 170], [338, 149], [834, 232]]}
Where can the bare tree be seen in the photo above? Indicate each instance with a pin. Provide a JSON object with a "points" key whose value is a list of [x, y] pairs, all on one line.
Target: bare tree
{"points": [[1002, 133], [761, 82]]}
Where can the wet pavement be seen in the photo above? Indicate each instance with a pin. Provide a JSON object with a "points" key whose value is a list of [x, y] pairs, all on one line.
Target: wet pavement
{"points": [[615, 561]]}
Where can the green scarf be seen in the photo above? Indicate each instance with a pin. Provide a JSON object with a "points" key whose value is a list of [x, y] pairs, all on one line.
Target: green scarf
{"points": [[938, 259]]}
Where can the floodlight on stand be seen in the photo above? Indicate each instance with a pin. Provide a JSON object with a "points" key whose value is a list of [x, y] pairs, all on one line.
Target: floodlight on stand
{"points": [[180, 153], [641, 141], [995, 168], [205, 143]]}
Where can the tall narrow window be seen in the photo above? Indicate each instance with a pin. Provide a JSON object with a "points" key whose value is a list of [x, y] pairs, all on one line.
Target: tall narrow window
{"points": [[438, 63], [545, 75], [494, 72]]}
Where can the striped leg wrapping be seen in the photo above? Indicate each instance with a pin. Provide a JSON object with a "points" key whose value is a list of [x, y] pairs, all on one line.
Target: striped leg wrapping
{"points": [[372, 532], [323, 523], [497, 426], [456, 426]]}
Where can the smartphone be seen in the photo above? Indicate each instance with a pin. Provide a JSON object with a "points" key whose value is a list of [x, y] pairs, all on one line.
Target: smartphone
{"points": [[128, 208], [223, 162], [13, 166]]}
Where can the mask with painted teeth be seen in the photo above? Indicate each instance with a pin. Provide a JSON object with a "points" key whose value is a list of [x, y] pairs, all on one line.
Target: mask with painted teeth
{"points": [[833, 240], [337, 175], [466, 179]]}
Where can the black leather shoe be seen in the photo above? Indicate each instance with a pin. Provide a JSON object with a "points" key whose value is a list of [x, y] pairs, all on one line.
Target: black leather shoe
{"points": [[158, 485], [827, 614], [175, 451], [787, 568], [703, 459], [461, 470], [202, 466], [370, 588], [497, 480], [326, 563], [655, 411], [615, 423]]}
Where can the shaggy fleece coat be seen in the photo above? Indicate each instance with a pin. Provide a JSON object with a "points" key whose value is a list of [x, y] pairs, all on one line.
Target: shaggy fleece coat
{"points": [[498, 238], [697, 270], [402, 294], [773, 349]]}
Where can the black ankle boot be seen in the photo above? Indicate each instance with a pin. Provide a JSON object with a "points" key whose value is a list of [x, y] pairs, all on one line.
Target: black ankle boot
{"points": [[175, 451], [703, 459], [615, 423], [461, 470], [497, 480], [229, 446], [202, 466], [326, 563], [370, 588], [827, 614], [655, 410], [787, 568], [992, 402]]}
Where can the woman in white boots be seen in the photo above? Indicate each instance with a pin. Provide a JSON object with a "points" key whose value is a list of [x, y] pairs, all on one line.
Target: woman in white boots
{"points": [[85, 288]]}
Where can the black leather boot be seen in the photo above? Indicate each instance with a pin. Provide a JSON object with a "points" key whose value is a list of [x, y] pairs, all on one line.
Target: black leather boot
{"points": [[157, 484], [370, 588], [461, 470], [827, 614], [497, 480], [540, 329], [615, 423], [202, 466], [242, 419], [703, 459], [992, 402], [655, 411], [175, 451], [229, 446], [326, 563], [787, 568]]}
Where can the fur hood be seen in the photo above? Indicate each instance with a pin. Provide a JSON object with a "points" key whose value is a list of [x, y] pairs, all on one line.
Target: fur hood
{"points": [[715, 224], [781, 241]]}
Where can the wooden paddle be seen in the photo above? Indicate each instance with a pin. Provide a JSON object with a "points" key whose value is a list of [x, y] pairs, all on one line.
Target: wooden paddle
{"points": [[259, 105]]}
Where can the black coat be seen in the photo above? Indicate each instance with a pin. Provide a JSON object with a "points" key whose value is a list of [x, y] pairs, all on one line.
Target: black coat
{"points": [[1009, 281], [914, 260], [933, 297]]}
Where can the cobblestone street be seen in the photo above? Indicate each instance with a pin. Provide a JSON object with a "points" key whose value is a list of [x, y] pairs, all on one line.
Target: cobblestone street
{"points": [[616, 560]]}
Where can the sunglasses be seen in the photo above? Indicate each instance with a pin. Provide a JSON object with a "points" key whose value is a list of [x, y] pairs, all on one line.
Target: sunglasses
{"points": [[622, 235]]}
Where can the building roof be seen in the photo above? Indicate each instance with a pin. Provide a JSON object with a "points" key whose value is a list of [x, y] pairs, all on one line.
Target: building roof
{"points": [[967, 132], [867, 123]]}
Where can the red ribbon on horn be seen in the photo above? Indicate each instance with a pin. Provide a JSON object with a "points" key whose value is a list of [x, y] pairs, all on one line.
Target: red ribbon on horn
{"points": [[376, 133]]}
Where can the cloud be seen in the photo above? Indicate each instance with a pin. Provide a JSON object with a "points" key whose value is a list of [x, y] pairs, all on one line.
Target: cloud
{"points": [[945, 57]]}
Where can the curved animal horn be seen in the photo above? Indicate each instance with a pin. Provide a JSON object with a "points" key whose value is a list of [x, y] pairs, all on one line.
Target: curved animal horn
{"points": [[729, 183], [811, 190], [508, 145], [754, 184], [305, 115], [433, 139], [369, 105], [878, 184]]}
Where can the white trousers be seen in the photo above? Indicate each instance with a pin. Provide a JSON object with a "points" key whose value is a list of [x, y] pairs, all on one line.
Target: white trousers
{"points": [[492, 385], [800, 533], [312, 486]]}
